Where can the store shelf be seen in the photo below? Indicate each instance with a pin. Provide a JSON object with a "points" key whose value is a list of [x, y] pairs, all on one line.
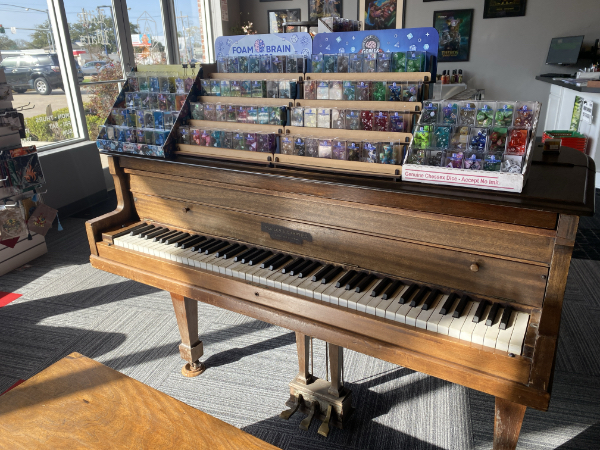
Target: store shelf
{"points": [[409, 107], [224, 153], [349, 135], [336, 165], [247, 101], [233, 126], [372, 76]]}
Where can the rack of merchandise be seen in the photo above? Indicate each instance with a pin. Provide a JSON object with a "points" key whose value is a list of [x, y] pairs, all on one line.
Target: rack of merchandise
{"points": [[255, 109], [24, 220], [148, 110], [484, 144]]}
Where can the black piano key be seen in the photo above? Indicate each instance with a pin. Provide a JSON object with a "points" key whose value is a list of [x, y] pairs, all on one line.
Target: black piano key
{"points": [[266, 264], [175, 239], [492, 315], [153, 233], [231, 253], [129, 231], [161, 239], [331, 275], [243, 256], [391, 291], [304, 265], [202, 246], [360, 287], [461, 306], [168, 239], [280, 262], [192, 243], [159, 236], [229, 248], [480, 310], [208, 248], [323, 271], [505, 318], [255, 253], [308, 270], [137, 231], [188, 239], [417, 298], [345, 278], [214, 248], [408, 293], [448, 305], [430, 299], [293, 265], [259, 257], [355, 280], [377, 290]]}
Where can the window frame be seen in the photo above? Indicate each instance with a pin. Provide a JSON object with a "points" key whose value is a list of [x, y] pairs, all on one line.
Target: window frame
{"points": [[69, 74]]}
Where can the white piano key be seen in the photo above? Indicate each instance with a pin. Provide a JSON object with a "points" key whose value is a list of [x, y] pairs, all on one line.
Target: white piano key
{"points": [[371, 306], [177, 255], [394, 306], [504, 336], [491, 334], [363, 296], [443, 326], [308, 287], [518, 336], [207, 260], [458, 322], [262, 273], [228, 270], [318, 294], [404, 309], [382, 306], [285, 283], [278, 280], [184, 256], [294, 284], [424, 316], [227, 263], [331, 294], [480, 329], [251, 270], [271, 279], [343, 298], [411, 316], [237, 270], [467, 329]]}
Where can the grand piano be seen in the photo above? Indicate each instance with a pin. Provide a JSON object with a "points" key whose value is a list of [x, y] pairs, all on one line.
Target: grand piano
{"points": [[461, 284]]}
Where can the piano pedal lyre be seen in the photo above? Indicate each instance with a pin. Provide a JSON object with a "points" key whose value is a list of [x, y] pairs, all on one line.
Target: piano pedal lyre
{"points": [[328, 401]]}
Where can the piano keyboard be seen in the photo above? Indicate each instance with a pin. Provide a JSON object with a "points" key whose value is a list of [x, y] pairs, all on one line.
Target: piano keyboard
{"points": [[479, 322]]}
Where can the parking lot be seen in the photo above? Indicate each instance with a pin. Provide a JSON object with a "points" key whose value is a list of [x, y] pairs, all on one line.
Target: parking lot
{"points": [[40, 104]]}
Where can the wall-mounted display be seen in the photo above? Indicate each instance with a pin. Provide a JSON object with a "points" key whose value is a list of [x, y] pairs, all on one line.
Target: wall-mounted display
{"points": [[454, 27], [276, 17], [324, 8], [504, 8], [380, 14]]}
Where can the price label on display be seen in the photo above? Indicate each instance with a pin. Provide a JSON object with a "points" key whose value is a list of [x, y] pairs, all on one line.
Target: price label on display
{"points": [[586, 111]]}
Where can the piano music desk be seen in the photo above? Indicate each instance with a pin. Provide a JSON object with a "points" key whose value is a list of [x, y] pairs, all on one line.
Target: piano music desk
{"points": [[78, 403]]}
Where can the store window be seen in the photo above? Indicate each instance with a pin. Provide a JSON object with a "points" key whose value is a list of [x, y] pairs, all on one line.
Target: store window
{"points": [[196, 28], [34, 72]]}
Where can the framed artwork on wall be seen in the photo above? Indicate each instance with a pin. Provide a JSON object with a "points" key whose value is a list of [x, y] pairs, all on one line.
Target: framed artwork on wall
{"points": [[323, 8], [276, 17], [454, 27], [504, 8], [382, 14]]}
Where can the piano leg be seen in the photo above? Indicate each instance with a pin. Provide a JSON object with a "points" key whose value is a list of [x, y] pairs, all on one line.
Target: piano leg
{"points": [[303, 347], [336, 361], [507, 424], [190, 349]]}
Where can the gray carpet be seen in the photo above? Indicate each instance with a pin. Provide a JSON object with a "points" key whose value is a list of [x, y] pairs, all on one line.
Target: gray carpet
{"points": [[68, 306]]}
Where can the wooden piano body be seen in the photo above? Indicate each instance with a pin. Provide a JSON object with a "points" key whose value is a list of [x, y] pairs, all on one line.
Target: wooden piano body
{"points": [[509, 248]]}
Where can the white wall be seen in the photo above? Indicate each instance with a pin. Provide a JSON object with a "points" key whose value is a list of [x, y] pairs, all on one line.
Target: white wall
{"points": [[507, 54]]}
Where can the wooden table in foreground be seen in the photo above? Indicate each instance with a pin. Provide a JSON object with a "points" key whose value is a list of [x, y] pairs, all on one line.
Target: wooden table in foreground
{"points": [[78, 403]]}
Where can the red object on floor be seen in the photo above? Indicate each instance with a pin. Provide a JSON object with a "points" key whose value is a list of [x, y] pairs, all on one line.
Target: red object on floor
{"points": [[7, 297], [13, 386], [10, 243]]}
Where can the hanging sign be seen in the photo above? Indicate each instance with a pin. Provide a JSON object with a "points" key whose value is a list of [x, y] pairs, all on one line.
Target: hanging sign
{"points": [[586, 111]]}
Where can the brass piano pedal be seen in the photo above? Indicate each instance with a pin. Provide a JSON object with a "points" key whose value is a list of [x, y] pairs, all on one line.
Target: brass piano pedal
{"points": [[324, 428], [305, 424], [285, 415]]}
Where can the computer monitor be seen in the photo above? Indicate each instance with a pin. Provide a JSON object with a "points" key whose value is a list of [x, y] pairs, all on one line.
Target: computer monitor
{"points": [[564, 50]]}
